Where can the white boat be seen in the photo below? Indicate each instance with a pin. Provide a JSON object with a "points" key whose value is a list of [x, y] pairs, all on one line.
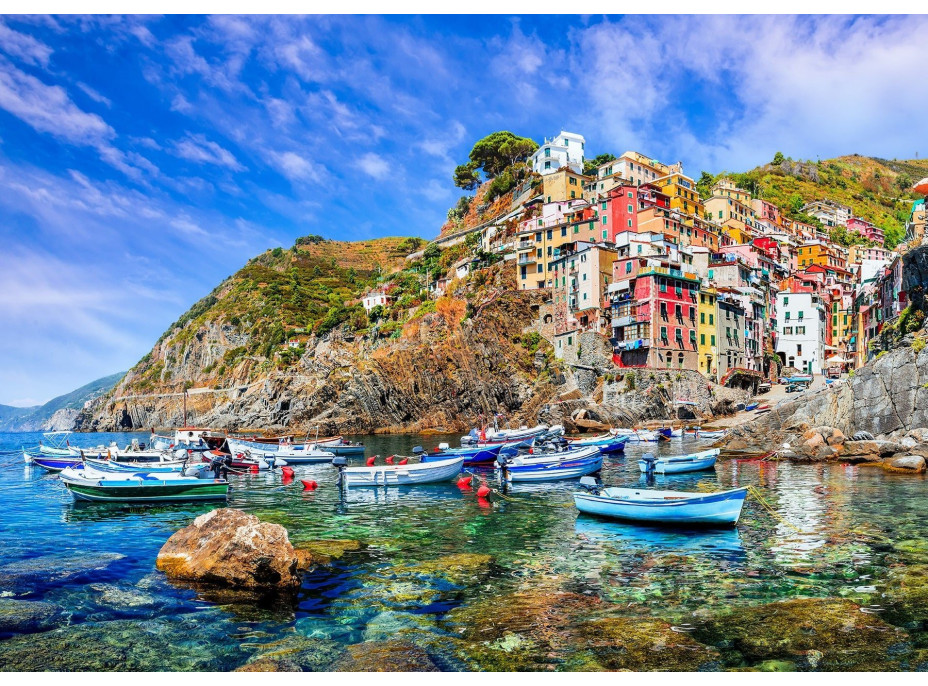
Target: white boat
{"points": [[54, 444], [572, 464], [551, 456], [663, 507], [293, 454], [679, 464], [399, 475], [506, 435], [637, 435]]}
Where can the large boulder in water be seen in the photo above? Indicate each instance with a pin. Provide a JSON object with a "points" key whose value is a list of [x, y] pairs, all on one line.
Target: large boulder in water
{"points": [[231, 548]]}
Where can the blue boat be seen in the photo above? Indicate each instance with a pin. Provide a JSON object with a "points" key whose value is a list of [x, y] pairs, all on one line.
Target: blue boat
{"points": [[472, 456], [679, 464], [607, 444], [54, 464], [662, 507], [566, 465]]}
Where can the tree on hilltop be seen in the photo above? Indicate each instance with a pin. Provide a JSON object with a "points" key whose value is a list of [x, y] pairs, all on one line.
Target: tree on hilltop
{"points": [[493, 155], [589, 166]]}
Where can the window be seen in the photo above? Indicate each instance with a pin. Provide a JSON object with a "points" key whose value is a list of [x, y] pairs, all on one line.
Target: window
{"points": [[548, 166], [800, 330], [604, 206], [678, 312], [540, 269], [576, 228], [799, 350], [711, 319], [630, 208], [570, 340], [563, 231], [550, 234], [702, 317], [787, 316], [629, 223], [787, 331], [713, 339], [573, 181], [692, 335], [702, 339], [664, 310], [628, 267], [573, 195], [692, 313], [800, 315], [785, 302], [664, 333]]}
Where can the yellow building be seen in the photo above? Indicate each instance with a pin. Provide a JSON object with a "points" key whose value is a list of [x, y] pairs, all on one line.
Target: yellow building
{"points": [[538, 248], [731, 207], [564, 184], [706, 332], [822, 254], [682, 192]]}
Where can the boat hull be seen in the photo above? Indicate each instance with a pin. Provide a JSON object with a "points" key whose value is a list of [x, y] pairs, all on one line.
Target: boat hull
{"points": [[54, 464], [554, 471], [144, 494], [472, 456], [401, 475], [717, 509], [679, 465]]}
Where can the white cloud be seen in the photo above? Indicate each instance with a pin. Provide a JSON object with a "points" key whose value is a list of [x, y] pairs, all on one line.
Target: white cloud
{"points": [[180, 104], [94, 95], [436, 191], [197, 148], [23, 47], [294, 166], [374, 165]]}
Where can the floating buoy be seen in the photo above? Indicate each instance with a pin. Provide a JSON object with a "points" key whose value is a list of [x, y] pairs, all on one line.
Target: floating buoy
{"points": [[483, 502], [254, 469], [404, 461], [309, 485], [389, 460], [484, 491], [465, 482], [287, 472], [370, 461]]}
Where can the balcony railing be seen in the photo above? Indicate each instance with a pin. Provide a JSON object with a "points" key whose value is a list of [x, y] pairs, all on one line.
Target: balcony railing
{"points": [[525, 245]]}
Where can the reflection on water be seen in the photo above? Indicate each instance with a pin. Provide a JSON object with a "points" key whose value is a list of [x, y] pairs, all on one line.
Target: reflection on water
{"points": [[836, 531]]}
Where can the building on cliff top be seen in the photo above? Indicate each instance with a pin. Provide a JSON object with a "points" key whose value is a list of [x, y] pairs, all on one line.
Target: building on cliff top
{"points": [[564, 150]]}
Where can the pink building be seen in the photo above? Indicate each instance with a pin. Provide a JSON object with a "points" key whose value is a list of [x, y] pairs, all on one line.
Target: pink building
{"points": [[866, 229]]}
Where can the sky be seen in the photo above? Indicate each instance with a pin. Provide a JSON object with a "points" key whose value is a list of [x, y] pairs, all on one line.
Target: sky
{"points": [[144, 159]]}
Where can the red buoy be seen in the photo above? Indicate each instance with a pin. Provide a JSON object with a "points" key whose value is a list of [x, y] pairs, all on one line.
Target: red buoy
{"points": [[389, 460], [254, 469], [309, 485], [404, 461], [483, 502], [484, 491], [465, 482], [287, 472], [370, 461]]}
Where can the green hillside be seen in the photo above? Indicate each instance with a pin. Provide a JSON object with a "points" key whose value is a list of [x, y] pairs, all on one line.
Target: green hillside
{"points": [[876, 189]]}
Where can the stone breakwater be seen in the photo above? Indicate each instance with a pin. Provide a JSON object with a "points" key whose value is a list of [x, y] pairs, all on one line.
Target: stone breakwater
{"points": [[887, 399]]}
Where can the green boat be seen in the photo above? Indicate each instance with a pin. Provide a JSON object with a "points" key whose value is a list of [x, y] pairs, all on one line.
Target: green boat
{"points": [[136, 487]]}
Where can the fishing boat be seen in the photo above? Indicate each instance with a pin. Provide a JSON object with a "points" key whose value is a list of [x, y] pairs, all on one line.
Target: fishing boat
{"points": [[571, 464], [637, 435], [297, 454], [159, 468], [679, 464], [53, 463], [472, 456], [661, 507], [285, 449], [607, 443], [705, 433], [398, 474], [94, 485], [498, 436], [246, 461], [54, 443]]}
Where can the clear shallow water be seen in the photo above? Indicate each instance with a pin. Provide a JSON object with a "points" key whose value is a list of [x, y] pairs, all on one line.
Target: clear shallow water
{"points": [[840, 532]]}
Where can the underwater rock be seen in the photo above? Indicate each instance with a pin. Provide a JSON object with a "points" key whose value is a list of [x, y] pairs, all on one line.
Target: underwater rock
{"points": [[843, 637], [645, 644], [390, 624], [530, 630], [305, 653], [912, 464], [459, 568], [324, 551], [27, 616], [906, 591], [266, 664], [122, 645], [114, 596], [231, 548], [386, 656], [27, 574]]}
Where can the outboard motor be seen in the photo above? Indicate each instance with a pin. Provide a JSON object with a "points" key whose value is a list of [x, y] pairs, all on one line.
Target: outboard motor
{"points": [[591, 484], [417, 450], [502, 463], [649, 463], [340, 462]]}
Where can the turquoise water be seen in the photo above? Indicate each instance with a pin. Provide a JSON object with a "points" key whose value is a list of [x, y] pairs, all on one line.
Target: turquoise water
{"points": [[455, 583]]}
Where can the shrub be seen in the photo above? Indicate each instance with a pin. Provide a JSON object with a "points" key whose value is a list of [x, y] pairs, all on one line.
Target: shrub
{"points": [[531, 340], [918, 345]]}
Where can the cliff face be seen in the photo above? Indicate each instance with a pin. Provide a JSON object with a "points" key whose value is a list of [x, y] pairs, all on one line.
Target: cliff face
{"points": [[442, 371]]}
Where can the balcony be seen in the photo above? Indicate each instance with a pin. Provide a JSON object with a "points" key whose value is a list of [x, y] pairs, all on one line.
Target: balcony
{"points": [[624, 320], [527, 258], [525, 245]]}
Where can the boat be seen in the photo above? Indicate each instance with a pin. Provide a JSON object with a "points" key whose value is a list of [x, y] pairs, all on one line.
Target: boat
{"points": [[130, 487], [497, 436], [342, 447], [246, 461], [475, 455], [160, 468], [637, 435], [661, 507], [52, 463], [607, 443], [55, 444], [704, 433], [694, 462], [571, 464], [398, 474], [750, 407]]}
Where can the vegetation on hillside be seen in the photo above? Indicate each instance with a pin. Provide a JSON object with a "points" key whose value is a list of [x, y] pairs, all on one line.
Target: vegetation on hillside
{"points": [[876, 189]]}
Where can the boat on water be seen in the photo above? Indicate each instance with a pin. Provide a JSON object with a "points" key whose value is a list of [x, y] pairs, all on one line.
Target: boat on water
{"points": [[639, 435], [499, 436], [166, 467], [678, 464], [52, 463], [683, 508], [550, 466], [54, 444], [245, 461], [473, 456], [607, 443], [131, 487], [398, 474], [285, 449]]}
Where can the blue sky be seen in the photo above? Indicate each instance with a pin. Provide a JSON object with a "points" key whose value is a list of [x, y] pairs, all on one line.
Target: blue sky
{"points": [[142, 160]]}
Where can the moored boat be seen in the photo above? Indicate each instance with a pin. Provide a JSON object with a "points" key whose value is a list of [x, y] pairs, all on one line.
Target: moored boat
{"points": [[662, 507], [679, 464], [53, 463], [99, 486], [607, 443], [637, 435], [472, 456], [398, 474], [551, 465]]}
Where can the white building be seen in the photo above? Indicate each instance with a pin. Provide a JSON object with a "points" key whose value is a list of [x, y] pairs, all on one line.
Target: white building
{"points": [[375, 298], [801, 321], [564, 150], [829, 212]]}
